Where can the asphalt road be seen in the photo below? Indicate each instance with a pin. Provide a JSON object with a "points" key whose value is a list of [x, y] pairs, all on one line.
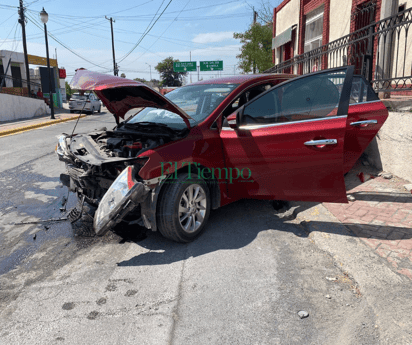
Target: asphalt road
{"points": [[242, 282]]}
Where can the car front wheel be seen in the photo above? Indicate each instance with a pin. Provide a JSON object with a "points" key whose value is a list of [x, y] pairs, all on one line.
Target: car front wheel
{"points": [[184, 207]]}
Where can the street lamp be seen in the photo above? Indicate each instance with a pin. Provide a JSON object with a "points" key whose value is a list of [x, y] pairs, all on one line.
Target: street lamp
{"points": [[150, 70], [44, 18]]}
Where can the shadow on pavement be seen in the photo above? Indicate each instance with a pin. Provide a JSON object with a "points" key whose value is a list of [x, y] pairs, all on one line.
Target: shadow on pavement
{"points": [[237, 225]]}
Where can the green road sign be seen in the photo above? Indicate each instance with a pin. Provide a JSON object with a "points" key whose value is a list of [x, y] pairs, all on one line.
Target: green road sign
{"points": [[211, 65], [184, 66]]}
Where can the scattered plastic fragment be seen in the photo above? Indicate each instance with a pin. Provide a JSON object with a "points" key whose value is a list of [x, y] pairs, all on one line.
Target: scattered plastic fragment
{"points": [[303, 313], [408, 187], [40, 221], [387, 176], [350, 197], [363, 177]]}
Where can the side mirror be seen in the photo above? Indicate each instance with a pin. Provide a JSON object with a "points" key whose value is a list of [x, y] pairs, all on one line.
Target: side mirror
{"points": [[235, 118], [231, 120]]}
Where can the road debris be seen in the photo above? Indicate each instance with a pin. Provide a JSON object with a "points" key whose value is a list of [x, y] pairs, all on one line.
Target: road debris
{"points": [[363, 177], [386, 175], [75, 214], [64, 203], [408, 187], [350, 197], [303, 313], [328, 296], [331, 279], [41, 221]]}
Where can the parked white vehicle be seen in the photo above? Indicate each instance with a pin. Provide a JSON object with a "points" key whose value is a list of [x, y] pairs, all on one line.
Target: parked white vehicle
{"points": [[87, 103]]}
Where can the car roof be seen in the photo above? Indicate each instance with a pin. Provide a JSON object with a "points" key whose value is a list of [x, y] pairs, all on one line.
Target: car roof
{"points": [[241, 78]]}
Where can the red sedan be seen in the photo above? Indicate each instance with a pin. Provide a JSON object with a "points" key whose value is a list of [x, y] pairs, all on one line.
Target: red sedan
{"points": [[205, 145]]}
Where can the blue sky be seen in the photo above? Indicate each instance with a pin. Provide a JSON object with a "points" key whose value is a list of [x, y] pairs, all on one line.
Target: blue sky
{"points": [[155, 28]]}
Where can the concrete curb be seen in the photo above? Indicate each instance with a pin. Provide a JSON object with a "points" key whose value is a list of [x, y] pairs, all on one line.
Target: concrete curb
{"points": [[37, 125]]}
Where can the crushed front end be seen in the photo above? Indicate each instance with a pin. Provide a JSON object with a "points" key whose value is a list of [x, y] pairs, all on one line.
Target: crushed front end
{"points": [[102, 169]]}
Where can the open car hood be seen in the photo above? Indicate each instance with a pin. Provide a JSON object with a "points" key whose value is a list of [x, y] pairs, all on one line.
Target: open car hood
{"points": [[119, 95]]}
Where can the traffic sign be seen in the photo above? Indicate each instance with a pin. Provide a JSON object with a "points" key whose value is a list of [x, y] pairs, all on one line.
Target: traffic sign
{"points": [[211, 65], [184, 66]]}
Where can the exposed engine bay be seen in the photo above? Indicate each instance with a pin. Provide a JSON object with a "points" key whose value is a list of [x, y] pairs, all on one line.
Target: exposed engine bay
{"points": [[96, 159]]}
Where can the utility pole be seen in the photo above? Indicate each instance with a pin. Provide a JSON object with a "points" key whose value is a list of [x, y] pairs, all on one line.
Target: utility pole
{"points": [[115, 69], [254, 22], [23, 28]]}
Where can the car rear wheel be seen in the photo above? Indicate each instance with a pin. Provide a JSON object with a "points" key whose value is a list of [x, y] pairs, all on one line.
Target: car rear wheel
{"points": [[72, 111], [183, 208], [100, 110]]}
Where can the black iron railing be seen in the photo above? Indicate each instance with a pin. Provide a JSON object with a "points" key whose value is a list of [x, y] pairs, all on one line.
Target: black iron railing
{"points": [[379, 51], [16, 86]]}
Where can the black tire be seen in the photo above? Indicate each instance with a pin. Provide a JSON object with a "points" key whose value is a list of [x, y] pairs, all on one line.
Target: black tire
{"points": [[72, 111], [170, 221], [100, 110]]}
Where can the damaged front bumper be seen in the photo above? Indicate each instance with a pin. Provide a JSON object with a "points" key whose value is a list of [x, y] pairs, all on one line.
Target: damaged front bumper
{"points": [[124, 196]]}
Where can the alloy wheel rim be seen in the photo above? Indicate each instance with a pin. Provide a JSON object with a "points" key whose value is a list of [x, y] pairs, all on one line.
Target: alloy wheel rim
{"points": [[192, 208]]}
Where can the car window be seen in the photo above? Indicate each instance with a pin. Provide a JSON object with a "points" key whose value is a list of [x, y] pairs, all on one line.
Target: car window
{"points": [[198, 101], [310, 97], [78, 97], [243, 98], [361, 91]]}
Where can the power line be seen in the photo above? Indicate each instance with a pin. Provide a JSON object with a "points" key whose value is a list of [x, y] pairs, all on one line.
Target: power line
{"points": [[63, 45], [14, 26], [146, 31], [139, 16], [7, 19], [163, 31]]}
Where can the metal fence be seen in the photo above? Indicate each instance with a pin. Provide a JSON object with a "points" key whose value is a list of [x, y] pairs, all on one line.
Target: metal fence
{"points": [[381, 51]]}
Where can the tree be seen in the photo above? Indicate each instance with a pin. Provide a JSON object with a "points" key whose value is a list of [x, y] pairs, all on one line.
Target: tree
{"points": [[69, 91], [168, 76], [151, 83], [256, 50], [123, 75], [144, 81], [154, 83], [264, 13]]}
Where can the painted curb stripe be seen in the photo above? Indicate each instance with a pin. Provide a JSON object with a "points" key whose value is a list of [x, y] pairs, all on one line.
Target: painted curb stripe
{"points": [[37, 125]]}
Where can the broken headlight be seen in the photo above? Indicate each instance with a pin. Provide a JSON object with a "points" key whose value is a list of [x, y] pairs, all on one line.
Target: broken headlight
{"points": [[115, 201], [61, 147]]}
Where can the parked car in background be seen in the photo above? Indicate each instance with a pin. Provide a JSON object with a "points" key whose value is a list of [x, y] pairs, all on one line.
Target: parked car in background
{"points": [[205, 145], [87, 103]]}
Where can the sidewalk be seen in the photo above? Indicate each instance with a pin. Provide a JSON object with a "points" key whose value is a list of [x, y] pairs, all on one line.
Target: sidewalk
{"points": [[17, 126], [380, 215]]}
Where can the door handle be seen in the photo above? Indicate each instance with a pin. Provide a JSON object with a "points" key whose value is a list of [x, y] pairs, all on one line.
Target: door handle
{"points": [[321, 143], [364, 123]]}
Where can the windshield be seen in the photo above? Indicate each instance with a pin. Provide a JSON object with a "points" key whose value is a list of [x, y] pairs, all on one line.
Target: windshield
{"points": [[198, 101]]}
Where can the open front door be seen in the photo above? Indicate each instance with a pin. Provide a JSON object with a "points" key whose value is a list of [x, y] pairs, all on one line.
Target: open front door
{"points": [[291, 139]]}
